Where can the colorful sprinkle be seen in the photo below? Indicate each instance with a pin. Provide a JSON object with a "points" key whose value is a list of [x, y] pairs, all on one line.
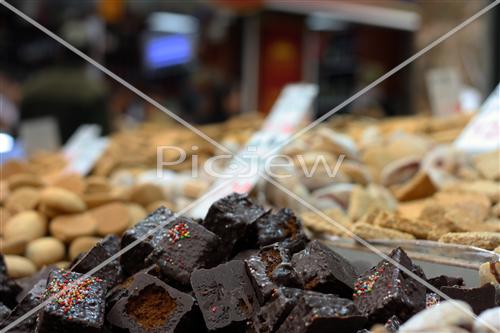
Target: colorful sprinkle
{"points": [[365, 285], [178, 232]]}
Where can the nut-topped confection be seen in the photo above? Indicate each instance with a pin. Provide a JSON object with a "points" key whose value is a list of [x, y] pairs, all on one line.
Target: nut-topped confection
{"points": [[385, 290], [150, 305], [186, 246], [76, 304], [133, 260], [321, 269]]}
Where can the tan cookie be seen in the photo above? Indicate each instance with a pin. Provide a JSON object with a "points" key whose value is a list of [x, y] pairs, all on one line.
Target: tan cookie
{"points": [[18, 267], [358, 173], [111, 218], [4, 191], [368, 231], [488, 165], [97, 184], [360, 202], [72, 182], [475, 206], [68, 227], [489, 272], [25, 198], [13, 167], [420, 186], [13, 246], [146, 194], [136, 213], [4, 217], [485, 187], [97, 199], [418, 228], [27, 226], [337, 226], [25, 180], [194, 188], [45, 251], [412, 209], [81, 245], [497, 249], [62, 200], [485, 240]]}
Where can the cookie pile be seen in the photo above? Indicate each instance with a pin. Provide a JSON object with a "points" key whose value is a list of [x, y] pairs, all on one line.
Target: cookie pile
{"points": [[241, 269]]}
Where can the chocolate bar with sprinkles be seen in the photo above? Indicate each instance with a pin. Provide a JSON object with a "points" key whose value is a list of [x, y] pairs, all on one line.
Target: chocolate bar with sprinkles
{"points": [[225, 296], [9, 289], [273, 314], [76, 304], [270, 268], [231, 218], [111, 273], [185, 247], [317, 313], [283, 227], [385, 290], [321, 269], [150, 305], [134, 259]]}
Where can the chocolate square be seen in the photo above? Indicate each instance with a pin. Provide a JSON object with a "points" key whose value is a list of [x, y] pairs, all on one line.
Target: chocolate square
{"points": [[479, 299], [281, 227], [446, 281], [231, 217], [186, 246], [321, 269], [77, 306], [134, 259], [385, 290], [225, 296], [150, 305], [318, 313]]}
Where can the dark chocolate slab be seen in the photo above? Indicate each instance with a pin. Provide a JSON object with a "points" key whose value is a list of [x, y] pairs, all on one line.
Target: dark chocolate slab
{"points": [[479, 299], [446, 281]]}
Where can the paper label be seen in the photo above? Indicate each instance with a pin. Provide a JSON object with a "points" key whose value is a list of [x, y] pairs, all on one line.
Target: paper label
{"points": [[287, 113], [84, 148], [482, 134]]}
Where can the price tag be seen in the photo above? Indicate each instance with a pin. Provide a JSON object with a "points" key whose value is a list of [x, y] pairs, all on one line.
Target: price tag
{"points": [[482, 134], [288, 112], [84, 148]]}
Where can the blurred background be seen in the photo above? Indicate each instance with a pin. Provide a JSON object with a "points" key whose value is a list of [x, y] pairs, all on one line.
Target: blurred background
{"points": [[209, 60]]}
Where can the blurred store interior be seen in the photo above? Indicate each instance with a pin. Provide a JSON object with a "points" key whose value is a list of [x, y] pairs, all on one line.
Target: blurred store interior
{"points": [[210, 60]]}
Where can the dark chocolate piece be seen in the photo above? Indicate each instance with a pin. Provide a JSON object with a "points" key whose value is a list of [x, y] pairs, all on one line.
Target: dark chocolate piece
{"points": [[111, 273], [269, 268], [31, 300], [446, 281], [392, 324], [187, 246], [273, 314], [77, 306], [385, 290], [318, 313], [29, 282], [231, 217], [150, 305], [8, 287], [134, 259], [321, 269], [281, 227], [479, 299], [225, 296]]}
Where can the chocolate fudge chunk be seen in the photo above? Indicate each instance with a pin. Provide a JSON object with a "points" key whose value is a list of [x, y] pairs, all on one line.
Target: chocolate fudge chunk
{"points": [[8, 287], [150, 305], [281, 227], [186, 247], [231, 217], [134, 259], [385, 290], [269, 268], [31, 300], [446, 281], [318, 313], [111, 273], [321, 269], [479, 299], [273, 314], [225, 296], [77, 306]]}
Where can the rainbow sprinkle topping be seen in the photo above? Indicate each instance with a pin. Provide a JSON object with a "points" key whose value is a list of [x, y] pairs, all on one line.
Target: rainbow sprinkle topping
{"points": [[365, 285], [178, 232]]}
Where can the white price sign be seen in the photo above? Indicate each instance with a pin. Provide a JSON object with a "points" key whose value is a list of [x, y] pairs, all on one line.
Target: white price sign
{"points": [[482, 134], [288, 112]]}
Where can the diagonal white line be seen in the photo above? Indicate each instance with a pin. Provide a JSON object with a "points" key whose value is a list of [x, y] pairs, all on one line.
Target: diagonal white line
{"points": [[384, 77], [115, 77], [372, 248], [113, 257]]}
